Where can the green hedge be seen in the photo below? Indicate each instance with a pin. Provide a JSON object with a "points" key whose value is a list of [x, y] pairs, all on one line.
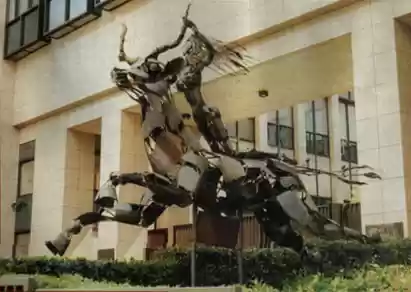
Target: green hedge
{"points": [[219, 266]]}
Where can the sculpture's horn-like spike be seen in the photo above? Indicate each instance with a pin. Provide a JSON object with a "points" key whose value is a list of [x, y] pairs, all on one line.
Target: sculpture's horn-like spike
{"points": [[190, 2], [122, 57]]}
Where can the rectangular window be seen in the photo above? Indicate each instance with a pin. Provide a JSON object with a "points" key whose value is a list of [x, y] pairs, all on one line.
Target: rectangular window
{"points": [[23, 207], [65, 16], [31, 27], [96, 186], [242, 134], [280, 128], [13, 41], [77, 7], [316, 121], [106, 254], [12, 12], [57, 13], [348, 131], [23, 28], [24, 199]]}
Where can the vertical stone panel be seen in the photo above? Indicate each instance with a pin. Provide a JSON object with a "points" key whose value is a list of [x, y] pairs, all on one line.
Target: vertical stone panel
{"points": [[378, 112]]}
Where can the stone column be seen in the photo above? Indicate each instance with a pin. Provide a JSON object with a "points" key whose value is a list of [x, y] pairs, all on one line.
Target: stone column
{"points": [[122, 150], [299, 133], [132, 240], [339, 190], [378, 114], [9, 143], [403, 50], [78, 190], [49, 181], [111, 132]]}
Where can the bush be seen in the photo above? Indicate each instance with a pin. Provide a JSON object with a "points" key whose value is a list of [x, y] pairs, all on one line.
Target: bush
{"points": [[217, 266]]}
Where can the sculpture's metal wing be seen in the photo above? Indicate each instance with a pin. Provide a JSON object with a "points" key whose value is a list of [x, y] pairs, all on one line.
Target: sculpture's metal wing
{"points": [[230, 58]]}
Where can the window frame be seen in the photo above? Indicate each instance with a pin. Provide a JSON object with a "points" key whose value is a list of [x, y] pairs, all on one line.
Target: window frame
{"points": [[23, 49], [69, 24], [110, 5]]}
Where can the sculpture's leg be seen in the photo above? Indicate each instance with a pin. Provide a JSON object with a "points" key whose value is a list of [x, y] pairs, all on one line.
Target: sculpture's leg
{"points": [[59, 245], [306, 215], [136, 178], [236, 192], [151, 213], [207, 190], [277, 226], [127, 213], [190, 173]]}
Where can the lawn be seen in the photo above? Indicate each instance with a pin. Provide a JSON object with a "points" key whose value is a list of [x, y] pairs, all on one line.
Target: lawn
{"points": [[372, 278]]}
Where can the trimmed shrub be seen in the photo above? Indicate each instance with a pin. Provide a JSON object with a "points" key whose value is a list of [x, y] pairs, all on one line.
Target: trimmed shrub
{"points": [[216, 266]]}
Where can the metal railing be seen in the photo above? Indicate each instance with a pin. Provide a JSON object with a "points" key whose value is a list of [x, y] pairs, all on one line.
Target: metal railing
{"points": [[253, 235]]}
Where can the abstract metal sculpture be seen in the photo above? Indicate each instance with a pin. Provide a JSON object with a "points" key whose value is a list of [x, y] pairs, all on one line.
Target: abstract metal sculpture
{"points": [[184, 172]]}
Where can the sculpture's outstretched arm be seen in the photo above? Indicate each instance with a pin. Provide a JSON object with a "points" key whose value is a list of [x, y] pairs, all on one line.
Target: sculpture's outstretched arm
{"points": [[127, 178], [126, 213]]}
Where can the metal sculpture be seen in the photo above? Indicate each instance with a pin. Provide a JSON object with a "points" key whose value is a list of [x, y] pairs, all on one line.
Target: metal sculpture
{"points": [[184, 172]]}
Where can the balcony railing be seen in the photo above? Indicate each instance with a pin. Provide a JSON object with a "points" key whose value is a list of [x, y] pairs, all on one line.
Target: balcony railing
{"points": [[253, 235], [318, 144], [286, 135], [349, 151]]}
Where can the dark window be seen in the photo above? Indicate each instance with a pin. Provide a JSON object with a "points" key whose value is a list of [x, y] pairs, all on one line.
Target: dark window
{"points": [[280, 128], [317, 144], [285, 136], [316, 121], [23, 203], [242, 134], [106, 254], [23, 209], [65, 16], [97, 156], [23, 28], [349, 151], [348, 128]]}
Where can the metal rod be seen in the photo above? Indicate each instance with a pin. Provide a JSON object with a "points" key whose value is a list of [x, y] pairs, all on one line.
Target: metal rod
{"points": [[347, 125], [327, 114], [317, 188], [240, 248], [193, 251], [277, 134]]}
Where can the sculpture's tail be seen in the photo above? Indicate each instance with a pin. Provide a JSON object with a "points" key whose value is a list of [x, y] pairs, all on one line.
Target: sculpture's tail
{"points": [[230, 58]]}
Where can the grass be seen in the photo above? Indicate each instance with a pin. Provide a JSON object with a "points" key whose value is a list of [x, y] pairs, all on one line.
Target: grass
{"points": [[372, 278]]}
